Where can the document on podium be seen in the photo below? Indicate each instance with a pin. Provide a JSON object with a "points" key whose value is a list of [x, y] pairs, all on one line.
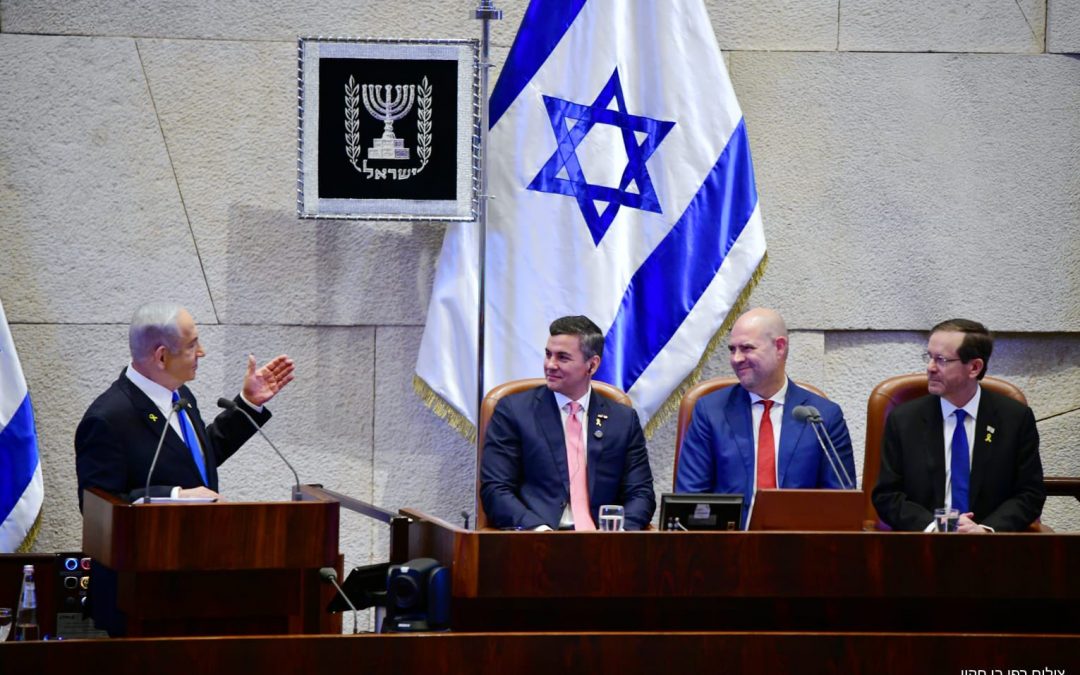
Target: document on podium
{"points": [[176, 500]]}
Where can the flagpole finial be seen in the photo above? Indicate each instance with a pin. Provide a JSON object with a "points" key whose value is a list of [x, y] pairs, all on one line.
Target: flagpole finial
{"points": [[486, 11]]}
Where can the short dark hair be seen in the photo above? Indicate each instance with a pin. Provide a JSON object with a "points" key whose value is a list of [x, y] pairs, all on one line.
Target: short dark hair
{"points": [[592, 340], [978, 342]]}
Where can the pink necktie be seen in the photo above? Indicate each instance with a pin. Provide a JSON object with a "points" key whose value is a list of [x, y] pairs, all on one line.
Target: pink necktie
{"points": [[575, 462]]}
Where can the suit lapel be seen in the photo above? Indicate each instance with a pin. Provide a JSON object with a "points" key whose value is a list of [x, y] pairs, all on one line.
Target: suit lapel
{"points": [[741, 423], [594, 446], [982, 445], [549, 424], [790, 431], [152, 416], [933, 428]]}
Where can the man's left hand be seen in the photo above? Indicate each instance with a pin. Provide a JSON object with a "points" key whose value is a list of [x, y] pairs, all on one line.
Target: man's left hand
{"points": [[261, 385], [968, 526]]}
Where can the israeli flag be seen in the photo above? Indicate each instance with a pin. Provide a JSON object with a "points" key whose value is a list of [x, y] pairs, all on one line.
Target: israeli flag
{"points": [[623, 189], [20, 471]]}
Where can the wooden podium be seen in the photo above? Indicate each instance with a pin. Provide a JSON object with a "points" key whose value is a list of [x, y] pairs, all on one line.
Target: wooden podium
{"points": [[753, 581], [215, 569]]}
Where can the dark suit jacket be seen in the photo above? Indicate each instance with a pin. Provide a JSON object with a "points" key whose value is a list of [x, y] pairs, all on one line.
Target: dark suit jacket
{"points": [[1006, 490], [115, 442], [718, 451], [524, 480]]}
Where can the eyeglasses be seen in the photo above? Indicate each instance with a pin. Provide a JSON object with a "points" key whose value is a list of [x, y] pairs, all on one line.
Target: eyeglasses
{"points": [[941, 361]]}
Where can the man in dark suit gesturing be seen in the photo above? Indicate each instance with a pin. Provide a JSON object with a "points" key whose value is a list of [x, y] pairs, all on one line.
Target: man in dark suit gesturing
{"points": [[553, 455], [745, 436], [115, 442], [962, 446]]}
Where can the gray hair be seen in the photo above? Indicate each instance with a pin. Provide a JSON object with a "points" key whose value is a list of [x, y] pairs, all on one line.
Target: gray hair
{"points": [[152, 325]]}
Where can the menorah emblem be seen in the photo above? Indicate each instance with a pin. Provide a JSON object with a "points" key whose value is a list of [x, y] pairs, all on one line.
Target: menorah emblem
{"points": [[388, 103]]}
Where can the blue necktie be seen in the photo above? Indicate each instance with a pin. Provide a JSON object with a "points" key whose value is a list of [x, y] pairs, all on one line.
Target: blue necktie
{"points": [[961, 469], [191, 440]]}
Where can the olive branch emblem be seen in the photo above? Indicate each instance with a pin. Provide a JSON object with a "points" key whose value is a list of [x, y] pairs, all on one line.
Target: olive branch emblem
{"points": [[352, 133]]}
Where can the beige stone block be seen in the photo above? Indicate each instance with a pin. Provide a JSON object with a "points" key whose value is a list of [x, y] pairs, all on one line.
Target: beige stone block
{"points": [[782, 25], [90, 217], [1015, 26], [897, 188], [1063, 26]]}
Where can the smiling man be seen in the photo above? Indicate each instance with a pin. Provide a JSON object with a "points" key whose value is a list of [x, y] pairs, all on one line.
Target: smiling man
{"points": [[961, 446], [744, 437], [116, 439], [553, 455]]}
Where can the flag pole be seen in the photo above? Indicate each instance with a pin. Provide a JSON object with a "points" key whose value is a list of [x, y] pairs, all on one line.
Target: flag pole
{"points": [[485, 13]]}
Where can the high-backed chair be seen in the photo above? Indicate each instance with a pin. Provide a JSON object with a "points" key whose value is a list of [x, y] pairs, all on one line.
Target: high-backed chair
{"points": [[886, 396], [690, 399], [487, 408]]}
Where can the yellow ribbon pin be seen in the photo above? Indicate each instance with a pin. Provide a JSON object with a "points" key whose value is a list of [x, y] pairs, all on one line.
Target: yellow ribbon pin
{"points": [[153, 417]]}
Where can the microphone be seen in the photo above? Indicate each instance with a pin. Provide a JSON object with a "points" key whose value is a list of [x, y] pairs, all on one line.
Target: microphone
{"points": [[231, 405], [465, 515], [812, 416], [180, 403], [330, 574]]}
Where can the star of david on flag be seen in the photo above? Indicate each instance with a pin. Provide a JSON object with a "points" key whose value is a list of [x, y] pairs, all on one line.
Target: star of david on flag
{"points": [[623, 189], [571, 122]]}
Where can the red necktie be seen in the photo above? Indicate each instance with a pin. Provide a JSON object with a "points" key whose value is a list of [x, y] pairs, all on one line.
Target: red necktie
{"points": [[575, 462], [766, 450]]}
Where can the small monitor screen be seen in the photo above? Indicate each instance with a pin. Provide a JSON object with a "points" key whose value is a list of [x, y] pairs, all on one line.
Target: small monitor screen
{"points": [[700, 511]]}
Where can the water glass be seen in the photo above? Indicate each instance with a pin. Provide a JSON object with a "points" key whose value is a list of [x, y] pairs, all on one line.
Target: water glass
{"points": [[5, 623], [612, 517], [946, 519]]}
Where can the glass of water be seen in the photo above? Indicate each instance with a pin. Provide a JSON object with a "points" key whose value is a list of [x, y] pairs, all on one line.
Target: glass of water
{"points": [[946, 519], [5, 623], [611, 518]]}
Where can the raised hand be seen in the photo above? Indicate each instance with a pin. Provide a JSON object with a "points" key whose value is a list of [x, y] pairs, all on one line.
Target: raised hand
{"points": [[261, 385]]}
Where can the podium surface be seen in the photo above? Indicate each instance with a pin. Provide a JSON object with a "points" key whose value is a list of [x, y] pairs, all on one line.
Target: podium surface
{"points": [[213, 569]]}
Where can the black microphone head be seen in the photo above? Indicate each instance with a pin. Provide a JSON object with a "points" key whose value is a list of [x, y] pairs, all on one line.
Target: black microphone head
{"points": [[226, 403], [802, 413], [327, 573], [181, 403]]}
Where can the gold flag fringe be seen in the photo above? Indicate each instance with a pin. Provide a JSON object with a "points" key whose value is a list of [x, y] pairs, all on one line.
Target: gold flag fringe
{"points": [[671, 405], [443, 410], [28, 542]]}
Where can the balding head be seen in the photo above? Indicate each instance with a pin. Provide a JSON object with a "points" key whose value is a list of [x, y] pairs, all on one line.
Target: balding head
{"points": [[759, 349]]}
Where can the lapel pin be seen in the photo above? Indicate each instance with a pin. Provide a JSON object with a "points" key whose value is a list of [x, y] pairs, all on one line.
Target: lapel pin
{"points": [[990, 429], [153, 417], [600, 417], [989, 437], [598, 434]]}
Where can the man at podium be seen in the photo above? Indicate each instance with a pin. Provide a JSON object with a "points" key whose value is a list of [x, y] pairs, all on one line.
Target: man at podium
{"points": [[553, 455], [746, 437], [117, 437]]}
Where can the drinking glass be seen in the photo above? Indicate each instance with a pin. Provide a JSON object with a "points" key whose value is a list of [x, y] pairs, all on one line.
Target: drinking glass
{"points": [[5, 623], [946, 519], [611, 518]]}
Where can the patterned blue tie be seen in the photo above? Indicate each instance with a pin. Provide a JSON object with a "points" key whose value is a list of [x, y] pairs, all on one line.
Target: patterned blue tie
{"points": [[961, 469], [191, 440]]}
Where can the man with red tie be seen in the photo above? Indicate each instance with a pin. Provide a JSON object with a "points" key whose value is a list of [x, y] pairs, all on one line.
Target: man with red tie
{"points": [[553, 455], [744, 437]]}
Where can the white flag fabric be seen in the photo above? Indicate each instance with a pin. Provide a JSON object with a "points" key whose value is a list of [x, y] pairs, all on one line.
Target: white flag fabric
{"points": [[623, 190], [20, 472]]}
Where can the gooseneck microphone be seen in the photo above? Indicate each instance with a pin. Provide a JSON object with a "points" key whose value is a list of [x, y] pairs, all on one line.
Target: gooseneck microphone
{"points": [[231, 405], [180, 403], [812, 416], [330, 574]]}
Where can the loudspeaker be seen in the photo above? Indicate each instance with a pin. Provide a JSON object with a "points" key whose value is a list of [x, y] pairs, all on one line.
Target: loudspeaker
{"points": [[417, 597]]}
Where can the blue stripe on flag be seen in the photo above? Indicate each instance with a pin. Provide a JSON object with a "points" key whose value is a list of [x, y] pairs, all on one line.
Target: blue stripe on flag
{"points": [[675, 275], [541, 29], [18, 456]]}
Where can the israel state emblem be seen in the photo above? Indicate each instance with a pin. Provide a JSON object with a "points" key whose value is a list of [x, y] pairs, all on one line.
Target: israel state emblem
{"points": [[388, 103]]}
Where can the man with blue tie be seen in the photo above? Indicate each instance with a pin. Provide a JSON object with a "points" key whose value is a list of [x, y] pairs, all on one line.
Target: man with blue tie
{"points": [[745, 437], [962, 446], [116, 439]]}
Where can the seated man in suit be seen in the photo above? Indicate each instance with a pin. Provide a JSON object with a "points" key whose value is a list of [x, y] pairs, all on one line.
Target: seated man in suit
{"points": [[744, 437], [553, 455], [961, 446], [116, 439]]}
